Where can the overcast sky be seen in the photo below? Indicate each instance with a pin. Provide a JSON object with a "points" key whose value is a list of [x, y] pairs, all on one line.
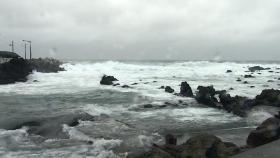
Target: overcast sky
{"points": [[144, 29]]}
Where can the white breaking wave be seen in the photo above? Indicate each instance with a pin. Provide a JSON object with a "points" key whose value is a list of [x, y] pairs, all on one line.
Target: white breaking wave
{"points": [[17, 144], [85, 76], [256, 117]]}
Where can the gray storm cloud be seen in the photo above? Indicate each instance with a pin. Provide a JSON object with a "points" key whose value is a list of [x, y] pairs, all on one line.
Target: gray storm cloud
{"points": [[144, 29]]}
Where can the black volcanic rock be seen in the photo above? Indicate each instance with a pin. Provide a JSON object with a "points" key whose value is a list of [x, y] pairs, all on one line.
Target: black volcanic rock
{"points": [[16, 70], [249, 76], [199, 146], [125, 86], [229, 71], [207, 146], [206, 95], [6, 54], [270, 97], [186, 90], [236, 105], [108, 80], [170, 139], [168, 89], [267, 132], [256, 68], [46, 65]]}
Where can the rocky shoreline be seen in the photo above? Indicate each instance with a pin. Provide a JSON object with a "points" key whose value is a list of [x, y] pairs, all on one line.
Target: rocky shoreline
{"points": [[207, 145], [198, 146], [17, 69]]}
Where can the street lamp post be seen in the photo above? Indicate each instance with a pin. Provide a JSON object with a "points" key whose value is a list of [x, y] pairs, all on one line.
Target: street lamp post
{"points": [[24, 50], [30, 48]]}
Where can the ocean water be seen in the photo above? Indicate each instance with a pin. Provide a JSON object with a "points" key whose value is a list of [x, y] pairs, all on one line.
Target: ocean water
{"points": [[122, 125]]}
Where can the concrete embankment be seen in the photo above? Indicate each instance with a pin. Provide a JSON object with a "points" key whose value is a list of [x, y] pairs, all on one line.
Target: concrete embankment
{"points": [[270, 150]]}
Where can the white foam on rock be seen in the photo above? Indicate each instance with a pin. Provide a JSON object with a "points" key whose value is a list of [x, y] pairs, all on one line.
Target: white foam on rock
{"points": [[256, 117]]}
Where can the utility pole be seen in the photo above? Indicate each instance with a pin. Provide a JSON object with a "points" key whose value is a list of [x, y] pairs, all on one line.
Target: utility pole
{"points": [[30, 48], [12, 46]]}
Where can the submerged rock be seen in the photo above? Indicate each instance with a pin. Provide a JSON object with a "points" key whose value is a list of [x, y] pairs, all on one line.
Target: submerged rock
{"points": [[117, 84], [125, 86], [15, 70], [249, 76], [267, 132], [229, 71], [256, 68], [108, 80], [50, 127], [186, 90], [168, 89]]}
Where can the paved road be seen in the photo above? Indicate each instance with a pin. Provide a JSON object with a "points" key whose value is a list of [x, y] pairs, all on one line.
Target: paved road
{"points": [[271, 150]]}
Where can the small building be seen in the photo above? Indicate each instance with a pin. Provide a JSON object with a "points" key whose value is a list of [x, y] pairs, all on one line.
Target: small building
{"points": [[6, 56]]}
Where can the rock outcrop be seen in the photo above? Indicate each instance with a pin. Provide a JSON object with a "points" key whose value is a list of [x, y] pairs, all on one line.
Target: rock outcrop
{"points": [[186, 90], [221, 100], [108, 80], [200, 146], [256, 68], [207, 146], [267, 132], [168, 89], [270, 97], [16, 70], [50, 127], [46, 65], [206, 95], [236, 105]]}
